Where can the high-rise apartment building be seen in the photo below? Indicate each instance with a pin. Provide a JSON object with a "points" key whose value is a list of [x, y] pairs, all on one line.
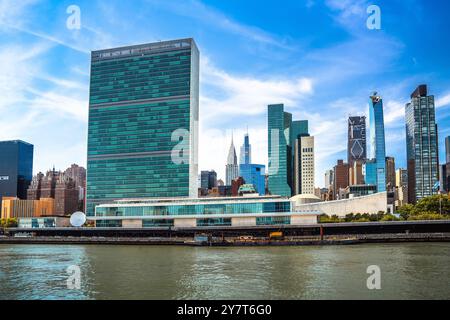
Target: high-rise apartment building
{"points": [[377, 165], [143, 122], [341, 177], [356, 144], [421, 145], [16, 168]]}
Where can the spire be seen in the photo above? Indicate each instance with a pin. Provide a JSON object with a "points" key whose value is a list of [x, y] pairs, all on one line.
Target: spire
{"points": [[232, 158]]}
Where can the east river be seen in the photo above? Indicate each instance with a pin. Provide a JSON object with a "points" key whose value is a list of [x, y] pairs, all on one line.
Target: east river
{"points": [[407, 271]]}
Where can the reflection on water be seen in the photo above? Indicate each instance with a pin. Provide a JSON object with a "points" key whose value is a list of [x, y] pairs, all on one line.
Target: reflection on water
{"points": [[149, 272]]}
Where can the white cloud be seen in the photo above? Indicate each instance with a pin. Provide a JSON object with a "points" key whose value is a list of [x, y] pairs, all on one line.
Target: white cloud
{"points": [[443, 101]]}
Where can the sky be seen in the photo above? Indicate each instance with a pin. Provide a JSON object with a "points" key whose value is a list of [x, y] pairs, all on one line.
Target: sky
{"points": [[319, 58]]}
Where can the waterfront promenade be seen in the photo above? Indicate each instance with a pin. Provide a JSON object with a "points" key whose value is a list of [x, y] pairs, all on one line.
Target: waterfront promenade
{"points": [[322, 234]]}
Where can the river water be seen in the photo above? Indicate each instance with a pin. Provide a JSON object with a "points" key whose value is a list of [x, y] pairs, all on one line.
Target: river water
{"points": [[408, 271]]}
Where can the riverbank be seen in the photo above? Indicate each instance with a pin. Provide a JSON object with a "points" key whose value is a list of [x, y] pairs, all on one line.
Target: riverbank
{"points": [[292, 241]]}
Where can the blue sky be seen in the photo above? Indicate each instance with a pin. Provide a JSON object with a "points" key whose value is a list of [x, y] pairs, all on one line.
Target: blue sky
{"points": [[317, 57]]}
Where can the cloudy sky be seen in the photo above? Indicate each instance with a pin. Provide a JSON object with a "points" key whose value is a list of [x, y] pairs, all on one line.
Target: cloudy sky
{"points": [[316, 57]]}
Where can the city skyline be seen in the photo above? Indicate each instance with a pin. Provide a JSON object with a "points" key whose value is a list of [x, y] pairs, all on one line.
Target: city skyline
{"points": [[335, 74]]}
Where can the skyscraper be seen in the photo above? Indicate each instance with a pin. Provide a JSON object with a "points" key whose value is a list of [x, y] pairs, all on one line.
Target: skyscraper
{"points": [[16, 168], [254, 174], [232, 168], [390, 173], [447, 149], [304, 166], [357, 145], [280, 153], [377, 144], [143, 118], [421, 145], [245, 156]]}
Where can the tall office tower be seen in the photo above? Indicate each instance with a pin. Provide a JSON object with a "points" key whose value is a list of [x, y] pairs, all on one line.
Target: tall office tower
{"points": [[341, 178], [390, 173], [377, 143], [421, 145], [329, 178], [232, 168], [304, 174], [143, 122], [280, 153], [16, 168], [245, 156], [357, 145]]}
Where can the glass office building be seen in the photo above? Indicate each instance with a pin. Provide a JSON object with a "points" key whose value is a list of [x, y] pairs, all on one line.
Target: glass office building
{"points": [[254, 174], [16, 168], [202, 212], [143, 120], [377, 142], [280, 153], [421, 145]]}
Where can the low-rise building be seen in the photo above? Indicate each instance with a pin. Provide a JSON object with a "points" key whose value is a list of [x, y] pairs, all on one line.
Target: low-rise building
{"points": [[202, 212], [16, 208]]}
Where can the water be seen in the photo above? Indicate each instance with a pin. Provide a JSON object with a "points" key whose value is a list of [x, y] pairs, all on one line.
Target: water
{"points": [[409, 271]]}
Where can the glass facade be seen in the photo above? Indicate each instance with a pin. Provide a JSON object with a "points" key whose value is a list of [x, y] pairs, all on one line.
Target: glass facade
{"points": [[377, 141], [246, 151], [16, 168], [267, 221], [143, 114], [192, 209], [254, 174], [421, 145], [280, 154], [152, 223]]}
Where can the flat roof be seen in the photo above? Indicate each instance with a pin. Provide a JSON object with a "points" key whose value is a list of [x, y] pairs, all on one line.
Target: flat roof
{"points": [[187, 201]]}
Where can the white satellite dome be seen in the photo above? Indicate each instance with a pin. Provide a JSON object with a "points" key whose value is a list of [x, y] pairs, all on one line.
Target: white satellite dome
{"points": [[77, 219]]}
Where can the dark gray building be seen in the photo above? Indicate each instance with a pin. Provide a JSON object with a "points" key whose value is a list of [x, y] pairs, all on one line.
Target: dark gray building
{"points": [[16, 168], [208, 179], [357, 145], [421, 145]]}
